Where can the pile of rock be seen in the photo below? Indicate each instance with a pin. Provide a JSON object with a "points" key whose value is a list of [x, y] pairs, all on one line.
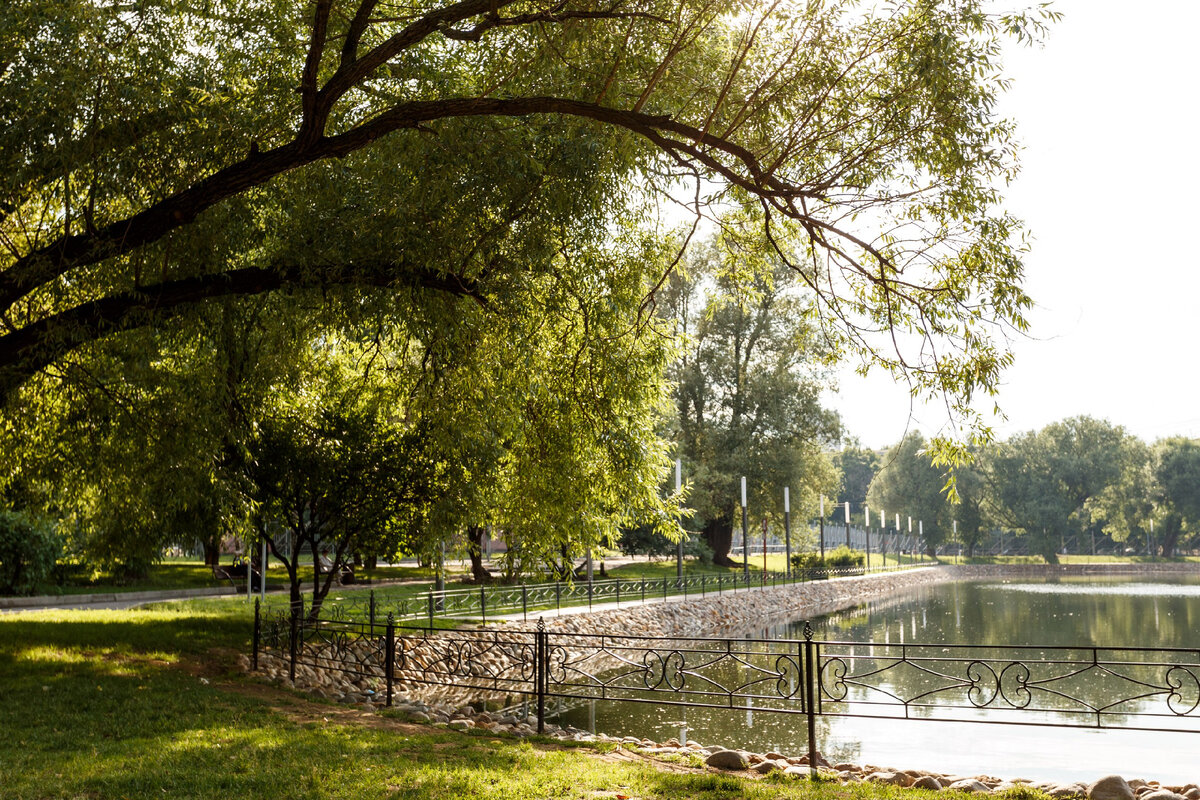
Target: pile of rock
{"points": [[1112, 787]]}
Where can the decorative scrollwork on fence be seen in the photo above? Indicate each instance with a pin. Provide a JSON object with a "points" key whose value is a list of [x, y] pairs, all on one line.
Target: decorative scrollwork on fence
{"points": [[1098, 687], [1095, 687], [985, 684], [1014, 685], [711, 672], [835, 689], [1182, 683]]}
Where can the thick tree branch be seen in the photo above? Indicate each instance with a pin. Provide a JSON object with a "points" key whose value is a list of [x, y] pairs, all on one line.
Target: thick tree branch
{"points": [[29, 349], [741, 168]]}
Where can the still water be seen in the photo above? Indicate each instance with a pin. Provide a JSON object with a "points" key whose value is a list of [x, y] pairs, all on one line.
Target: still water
{"points": [[1117, 612]]}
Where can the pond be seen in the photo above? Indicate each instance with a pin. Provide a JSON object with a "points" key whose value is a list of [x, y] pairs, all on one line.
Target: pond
{"points": [[1114, 612]]}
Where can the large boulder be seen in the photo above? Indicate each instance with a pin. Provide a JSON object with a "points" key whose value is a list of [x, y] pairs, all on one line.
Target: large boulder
{"points": [[1162, 794], [1111, 787], [893, 778], [969, 785], [727, 759], [927, 782]]}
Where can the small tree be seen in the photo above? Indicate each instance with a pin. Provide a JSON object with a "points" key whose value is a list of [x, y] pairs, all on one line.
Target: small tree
{"points": [[344, 480]]}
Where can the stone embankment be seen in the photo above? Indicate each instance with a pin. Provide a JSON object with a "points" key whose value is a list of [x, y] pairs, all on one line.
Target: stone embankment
{"points": [[743, 612], [428, 667]]}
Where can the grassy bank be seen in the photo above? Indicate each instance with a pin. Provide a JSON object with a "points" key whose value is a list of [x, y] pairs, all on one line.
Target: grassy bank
{"points": [[192, 573], [142, 704]]}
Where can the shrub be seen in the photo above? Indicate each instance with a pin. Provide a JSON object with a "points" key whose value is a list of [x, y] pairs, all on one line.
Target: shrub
{"points": [[843, 557], [840, 558], [28, 552], [806, 562]]}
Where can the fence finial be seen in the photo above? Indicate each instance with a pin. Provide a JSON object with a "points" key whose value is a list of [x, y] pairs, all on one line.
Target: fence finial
{"points": [[808, 630], [541, 626]]}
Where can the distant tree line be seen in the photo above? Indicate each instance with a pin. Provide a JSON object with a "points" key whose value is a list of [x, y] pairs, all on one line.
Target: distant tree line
{"points": [[1079, 480]]}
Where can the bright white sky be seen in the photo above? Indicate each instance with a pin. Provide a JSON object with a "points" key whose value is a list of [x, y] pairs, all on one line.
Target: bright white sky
{"points": [[1110, 187]]}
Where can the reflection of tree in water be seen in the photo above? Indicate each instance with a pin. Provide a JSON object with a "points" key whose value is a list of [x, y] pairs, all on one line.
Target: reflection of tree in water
{"points": [[1121, 612], [1020, 614], [963, 613]]}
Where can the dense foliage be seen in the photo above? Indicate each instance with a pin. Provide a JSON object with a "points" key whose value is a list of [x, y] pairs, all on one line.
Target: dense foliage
{"points": [[747, 388], [467, 202], [28, 552], [1081, 481]]}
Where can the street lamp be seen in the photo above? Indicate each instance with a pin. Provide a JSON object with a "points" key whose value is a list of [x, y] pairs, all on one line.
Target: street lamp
{"points": [[745, 537], [822, 527], [679, 546], [867, 528], [847, 516], [787, 532]]}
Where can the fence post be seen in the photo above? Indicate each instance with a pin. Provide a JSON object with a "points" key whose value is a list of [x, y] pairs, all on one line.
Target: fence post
{"points": [[257, 628], [810, 706], [558, 596], [292, 644], [483, 604], [430, 604], [589, 591], [664, 582], [542, 656], [524, 601], [618, 592], [643, 587], [371, 612], [389, 658], [703, 585]]}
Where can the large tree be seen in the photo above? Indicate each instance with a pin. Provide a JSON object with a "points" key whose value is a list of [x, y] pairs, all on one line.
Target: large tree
{"points": [[747, 390], [131, 135], [858, 466], [909, 484], [1041, 482], [1176, 468]]}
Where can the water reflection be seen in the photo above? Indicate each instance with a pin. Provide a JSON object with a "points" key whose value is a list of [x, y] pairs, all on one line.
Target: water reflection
{"points": [[1058, 613]]}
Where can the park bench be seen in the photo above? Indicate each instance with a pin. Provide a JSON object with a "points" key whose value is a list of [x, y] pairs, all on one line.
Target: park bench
{"points": [[236, 575]]}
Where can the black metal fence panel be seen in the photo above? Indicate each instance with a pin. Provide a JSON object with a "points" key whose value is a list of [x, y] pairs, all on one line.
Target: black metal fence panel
{"points": [[1141, 688]]}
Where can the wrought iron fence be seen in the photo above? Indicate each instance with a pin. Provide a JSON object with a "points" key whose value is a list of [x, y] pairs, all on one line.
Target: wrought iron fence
{"points": [[481, 602], [1137, 688]]}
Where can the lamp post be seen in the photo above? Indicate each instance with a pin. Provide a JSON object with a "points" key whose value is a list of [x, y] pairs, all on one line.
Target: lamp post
{"points": [[921, 538], [745, 537], [867, 528], [262, 572], [679, 546], [897, 540], [908, 541], [822, 523], [847, 516], [787, 532], [764, 550]]}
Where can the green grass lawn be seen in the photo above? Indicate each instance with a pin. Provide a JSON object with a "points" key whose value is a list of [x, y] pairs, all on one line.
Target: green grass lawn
{"points": [[149, 704], [191, 573]]}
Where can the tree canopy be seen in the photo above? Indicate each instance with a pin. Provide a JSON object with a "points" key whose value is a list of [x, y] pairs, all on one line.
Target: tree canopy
{"points": [[134, 138], [747, 389]]}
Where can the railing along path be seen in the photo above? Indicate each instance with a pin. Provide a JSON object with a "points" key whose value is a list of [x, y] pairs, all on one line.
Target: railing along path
{"points": [[1139, 688]]}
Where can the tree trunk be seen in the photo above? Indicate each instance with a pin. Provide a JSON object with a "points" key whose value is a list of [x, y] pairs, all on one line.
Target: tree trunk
{"points": [[212, 551], [475, 535], [718, 534]]}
